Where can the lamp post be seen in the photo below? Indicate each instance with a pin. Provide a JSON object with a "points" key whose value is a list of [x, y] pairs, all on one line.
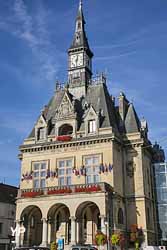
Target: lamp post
{"points": [[108, 236]]}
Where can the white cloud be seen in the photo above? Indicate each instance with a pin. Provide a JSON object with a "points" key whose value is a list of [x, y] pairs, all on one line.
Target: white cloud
{"points": [[32, 29]]}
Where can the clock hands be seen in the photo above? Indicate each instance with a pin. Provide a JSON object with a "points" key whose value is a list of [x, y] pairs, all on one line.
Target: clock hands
{"points": [[76, 60]]}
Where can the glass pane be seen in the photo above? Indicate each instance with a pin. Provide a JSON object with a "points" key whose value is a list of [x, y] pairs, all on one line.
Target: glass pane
{"points": [[41, 133], [61, 171], [163, 192], [69, 163], [61, 181], [43, 173], [88, 161], [96, 169], [69, 180], [36, 174], [36, 183], [96, 160], [42, 183], [88, 178], [43, 165], [88, 170], [161, 168], [61, 164], [36, 166], [68, 171], [161, 180], [96, 178]]}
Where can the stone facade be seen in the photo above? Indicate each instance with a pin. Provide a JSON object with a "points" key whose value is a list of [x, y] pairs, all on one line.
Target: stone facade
{"points": [[86, 165]]}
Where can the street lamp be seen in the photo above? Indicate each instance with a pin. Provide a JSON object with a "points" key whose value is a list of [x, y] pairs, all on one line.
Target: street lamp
{"points": [[108, 234]]}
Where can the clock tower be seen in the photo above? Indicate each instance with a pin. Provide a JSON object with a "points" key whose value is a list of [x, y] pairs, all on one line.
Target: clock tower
{"points": [[79, 59]]}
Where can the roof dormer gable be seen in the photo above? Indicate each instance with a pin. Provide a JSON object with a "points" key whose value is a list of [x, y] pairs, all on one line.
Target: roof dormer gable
{"points": [[91, 114], [41, 122], [66, 107]]}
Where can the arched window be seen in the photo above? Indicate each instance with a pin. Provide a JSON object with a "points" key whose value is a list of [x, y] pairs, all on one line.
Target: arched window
{"points": [[65, 129], [120, 216]]}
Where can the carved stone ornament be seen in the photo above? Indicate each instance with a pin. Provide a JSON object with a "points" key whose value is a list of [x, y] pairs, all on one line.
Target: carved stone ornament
{"points": [[65, 109]]}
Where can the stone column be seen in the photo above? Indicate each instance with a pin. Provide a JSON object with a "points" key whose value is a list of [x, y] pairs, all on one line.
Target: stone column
{"points": [[22, 231], [17, 234], [77, 232], [73, 230], [103, 227], [49, 233], [44, 233]]}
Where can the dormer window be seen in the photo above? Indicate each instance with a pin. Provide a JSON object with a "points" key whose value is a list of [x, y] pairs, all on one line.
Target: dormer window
{"points": [[41, 133], [91, 126], [66, 129]]}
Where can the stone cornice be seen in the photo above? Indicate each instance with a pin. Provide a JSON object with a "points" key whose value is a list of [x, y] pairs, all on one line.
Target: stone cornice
{"points": [[75, 142]]}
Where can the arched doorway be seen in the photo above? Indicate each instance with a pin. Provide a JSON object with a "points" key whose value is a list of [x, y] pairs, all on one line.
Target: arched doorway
{"points": [[88, 222], [31, 219], [59, 225]]}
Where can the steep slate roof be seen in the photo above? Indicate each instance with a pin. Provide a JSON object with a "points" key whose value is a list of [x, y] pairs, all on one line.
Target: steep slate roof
{"points": [[8, 193], [51, 108], [132, 123], [97, 96], [100, 99]]}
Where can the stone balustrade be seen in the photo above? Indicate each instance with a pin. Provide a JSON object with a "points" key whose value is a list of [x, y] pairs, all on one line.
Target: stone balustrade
{"points": [[65, 190]]}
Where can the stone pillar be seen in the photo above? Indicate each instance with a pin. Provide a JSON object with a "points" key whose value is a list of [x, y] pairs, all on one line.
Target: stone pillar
{"points": [[44, 233], [103, 227], [89, 232], [73, 230], [77, 232], [22, 231], [17, 235], [49, 233]]}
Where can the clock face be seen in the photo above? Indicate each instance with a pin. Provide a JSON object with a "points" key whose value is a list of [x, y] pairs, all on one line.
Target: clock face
{"points": [[80, 60], [73, 61], [77, 60]]}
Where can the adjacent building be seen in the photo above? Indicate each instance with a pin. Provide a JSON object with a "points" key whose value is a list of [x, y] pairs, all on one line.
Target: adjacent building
{"points": [[160, 172], [7, 214], [87, 163], [161, 189]]}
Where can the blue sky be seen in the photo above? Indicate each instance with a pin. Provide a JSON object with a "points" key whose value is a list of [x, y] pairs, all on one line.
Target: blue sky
{"points": [[129, 41]]}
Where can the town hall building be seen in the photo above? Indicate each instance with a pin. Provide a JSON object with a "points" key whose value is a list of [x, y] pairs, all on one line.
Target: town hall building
{"points": [[87, 164]]}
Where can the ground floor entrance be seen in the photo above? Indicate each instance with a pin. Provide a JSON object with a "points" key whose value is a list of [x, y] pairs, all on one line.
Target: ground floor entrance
{"points": [[79, 227]]}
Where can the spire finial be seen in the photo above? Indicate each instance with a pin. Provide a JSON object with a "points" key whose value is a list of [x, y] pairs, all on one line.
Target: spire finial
{"points": [[80, 5]]}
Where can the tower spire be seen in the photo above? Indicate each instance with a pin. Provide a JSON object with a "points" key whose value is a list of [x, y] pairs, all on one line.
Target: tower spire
{"points": [[80, 58], [80, 39]]}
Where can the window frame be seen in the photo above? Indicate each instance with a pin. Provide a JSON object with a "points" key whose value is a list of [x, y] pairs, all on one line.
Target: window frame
{"points": [[67, 170], [1, 227], [40, 170], [92, 168], [92, 126]]}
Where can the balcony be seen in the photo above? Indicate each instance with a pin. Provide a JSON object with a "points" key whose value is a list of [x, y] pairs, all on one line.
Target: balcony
{"points": [[65, 190]]}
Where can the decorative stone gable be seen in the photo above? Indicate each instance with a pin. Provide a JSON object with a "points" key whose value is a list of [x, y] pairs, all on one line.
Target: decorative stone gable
{"points": [[65, 109], [66, 117]]}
